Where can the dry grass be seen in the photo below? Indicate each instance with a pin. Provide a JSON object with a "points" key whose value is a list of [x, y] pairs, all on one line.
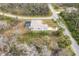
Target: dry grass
{"points": [[19, 28], [50, 22], [68, 50]]}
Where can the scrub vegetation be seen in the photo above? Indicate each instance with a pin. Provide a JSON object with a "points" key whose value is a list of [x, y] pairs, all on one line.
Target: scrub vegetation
{"points": [[72, 21], [26, 9]]}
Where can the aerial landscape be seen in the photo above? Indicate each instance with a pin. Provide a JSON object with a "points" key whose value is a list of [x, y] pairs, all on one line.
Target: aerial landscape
{"points": [[39, 29]]}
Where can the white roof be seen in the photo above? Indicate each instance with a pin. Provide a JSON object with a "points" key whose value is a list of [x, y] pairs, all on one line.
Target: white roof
{"points": [[37, 25]]}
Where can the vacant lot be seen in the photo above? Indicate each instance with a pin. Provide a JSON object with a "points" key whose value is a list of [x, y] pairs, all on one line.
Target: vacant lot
{"points": [[56, 42], [7, 23], [8, 19], [26, 9]]}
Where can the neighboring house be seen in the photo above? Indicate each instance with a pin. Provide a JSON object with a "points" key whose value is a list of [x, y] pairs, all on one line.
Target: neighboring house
{"points": [[71, 9], [38, 25]]}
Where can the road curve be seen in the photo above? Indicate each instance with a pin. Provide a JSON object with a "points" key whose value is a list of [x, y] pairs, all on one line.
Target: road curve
{"points": [[22, 17], [74, 44]]}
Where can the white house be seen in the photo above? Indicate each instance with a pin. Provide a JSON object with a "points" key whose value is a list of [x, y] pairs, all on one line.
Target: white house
{"points": [[37, 25]]}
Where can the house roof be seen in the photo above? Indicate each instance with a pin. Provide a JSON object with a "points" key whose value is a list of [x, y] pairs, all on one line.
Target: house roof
{"points": [[37, 25]]}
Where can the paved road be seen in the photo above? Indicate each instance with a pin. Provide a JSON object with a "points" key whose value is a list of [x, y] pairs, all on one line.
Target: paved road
{"points": [[74, 44]]}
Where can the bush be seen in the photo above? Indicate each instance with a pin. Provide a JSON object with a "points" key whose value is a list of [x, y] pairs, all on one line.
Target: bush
{"points": [[64, 42]]}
